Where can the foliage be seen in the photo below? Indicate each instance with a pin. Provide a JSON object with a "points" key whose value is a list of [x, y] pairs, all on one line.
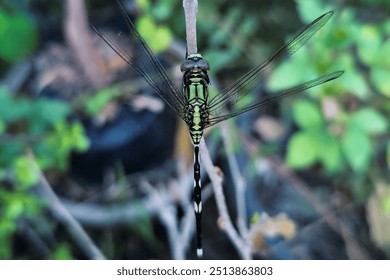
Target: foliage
{"points": [[354, 144], [18, 33], [62, 252], [344, 128], [39, 126], [157, 37]]}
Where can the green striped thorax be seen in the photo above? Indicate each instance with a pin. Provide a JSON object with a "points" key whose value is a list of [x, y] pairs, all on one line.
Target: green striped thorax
{"points": [[195, 89]]}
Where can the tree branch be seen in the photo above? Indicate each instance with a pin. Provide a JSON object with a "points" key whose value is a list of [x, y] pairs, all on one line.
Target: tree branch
{"points": [[190, 11], [242, 247], [79, 39]]}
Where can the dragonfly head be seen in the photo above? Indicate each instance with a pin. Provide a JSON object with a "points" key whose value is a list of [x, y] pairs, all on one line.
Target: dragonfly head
{"points": [[194, 61]]}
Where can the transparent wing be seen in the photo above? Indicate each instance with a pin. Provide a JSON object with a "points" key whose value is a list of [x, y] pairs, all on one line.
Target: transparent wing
{"points": [[246, 84], [283, 93], [145, 63]]}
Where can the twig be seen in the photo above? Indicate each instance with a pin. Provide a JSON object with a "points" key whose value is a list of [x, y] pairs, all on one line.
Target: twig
{"points": [[60, 212], [34, 239], [17, 76], [179, 233], [307, 230], [239, 183], [21, 138], [241, 246], [167, 215], [354, 250], [79, 39], [94, 215], [74, 228], [190, 11]]}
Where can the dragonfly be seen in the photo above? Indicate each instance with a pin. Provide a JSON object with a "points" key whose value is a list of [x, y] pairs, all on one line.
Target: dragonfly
{"points": [[193, 103]]}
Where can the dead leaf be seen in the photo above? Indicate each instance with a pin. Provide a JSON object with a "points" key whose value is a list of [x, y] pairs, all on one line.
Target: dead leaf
{"points": [[267, 226], [377, 216]]}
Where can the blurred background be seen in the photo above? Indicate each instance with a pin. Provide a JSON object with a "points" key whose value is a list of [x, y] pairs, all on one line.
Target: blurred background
{"points": [[94, 165]]}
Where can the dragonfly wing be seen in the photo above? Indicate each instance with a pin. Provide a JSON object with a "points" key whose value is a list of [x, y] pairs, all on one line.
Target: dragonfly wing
{"points": [[145, 63], [280, 94], [236, 91]]}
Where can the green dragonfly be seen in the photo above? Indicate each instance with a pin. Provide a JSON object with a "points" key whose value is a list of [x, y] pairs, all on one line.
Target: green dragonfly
{"points": [[192, 102]]}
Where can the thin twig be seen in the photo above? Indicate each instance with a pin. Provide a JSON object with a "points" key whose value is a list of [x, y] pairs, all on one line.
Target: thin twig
{"points": [[190, 11], [93, 215], [239, 183], [17, 76], [241, 246], [33, 238], [58, 210], [73, 227], [354, 250], [21, 138], [167, 215], [79, 39]]}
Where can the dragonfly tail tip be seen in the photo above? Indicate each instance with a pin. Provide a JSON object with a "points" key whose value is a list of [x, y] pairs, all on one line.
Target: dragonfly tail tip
{"points": [[199, 253]]}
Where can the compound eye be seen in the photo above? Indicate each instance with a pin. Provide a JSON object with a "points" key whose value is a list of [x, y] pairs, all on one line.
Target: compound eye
{"points": [[203, 64], [187, 65]]}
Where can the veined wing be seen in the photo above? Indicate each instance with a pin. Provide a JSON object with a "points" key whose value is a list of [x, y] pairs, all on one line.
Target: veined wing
{"points": [[236, 91], [146, 63], [280, 94]]}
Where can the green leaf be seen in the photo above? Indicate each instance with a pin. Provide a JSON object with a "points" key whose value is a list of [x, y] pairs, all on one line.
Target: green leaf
{"points": [[14, 209], [382, 57], [369, 120], [218, 59], [144, 225], [343, 36], [18, 35], [158, 38], [100, 99], [302, 150], [306, 114], [6, 226], [162, 39], [357, 149], [369, 43], [80, 141], [347, 30], [355, 83], [293, 71], [386, 203], [309, 8], [388, 154], [2, 127], [162, 10], [248, 26], [386, 27], [143, 4], [43, 112], [62, 252], [329, 152], [219, 37], [25, 174], [6, 102], [381, 79], [146, 26]]}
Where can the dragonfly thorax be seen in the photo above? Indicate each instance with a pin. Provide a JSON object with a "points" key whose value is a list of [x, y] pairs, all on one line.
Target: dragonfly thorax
{"points": [[195, 89]]}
